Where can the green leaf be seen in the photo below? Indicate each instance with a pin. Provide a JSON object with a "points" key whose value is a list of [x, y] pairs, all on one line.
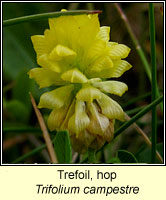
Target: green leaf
{"points": [[15, 56], [126, 157], [91, 155], [17, 110], [145, 155], [23, 86], [62, 147], [114, 160]]}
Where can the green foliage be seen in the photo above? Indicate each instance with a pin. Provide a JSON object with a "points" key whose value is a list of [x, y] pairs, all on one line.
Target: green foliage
{"points": [[114, 160], [126, 157], [91, 156], [23, 86], [17, 110], [15, 56], [62, 147], [145, 155]]}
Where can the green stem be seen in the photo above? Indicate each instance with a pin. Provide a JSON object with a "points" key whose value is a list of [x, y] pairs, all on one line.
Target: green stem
{"points": [[137, 46], [135, 110], [29, 18], [138, 115], [154, 79], [91, 155], [31, 153]]}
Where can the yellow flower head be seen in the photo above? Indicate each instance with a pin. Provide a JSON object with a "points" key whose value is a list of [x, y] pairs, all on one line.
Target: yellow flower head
{"points": [[75, 55]]}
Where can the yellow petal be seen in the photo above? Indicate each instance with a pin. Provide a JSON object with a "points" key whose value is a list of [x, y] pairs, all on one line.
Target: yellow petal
{"points": [[88, 94], [92, 80], [45, 78], [104, 33], [110, 44], [56, 118], [89, 26], [50, 40], [96, 50], [113, 87], [110, 108], [43, 61], [39, 44], [65, 31], [98, 122], [75, 31], [80, 120], [118, 51], [120, 66], [60, 52], [71, 125], [74, 76], [70, 112], [102, 63], [56, 98], [109, 133]]}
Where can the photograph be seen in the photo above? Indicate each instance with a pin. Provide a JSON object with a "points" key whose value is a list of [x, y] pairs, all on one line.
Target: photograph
{"points": [[83, 83]]}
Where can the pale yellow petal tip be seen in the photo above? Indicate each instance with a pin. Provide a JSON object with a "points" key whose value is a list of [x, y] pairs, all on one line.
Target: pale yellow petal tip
{"points": [[93, 80], [36, 39], [122, 117], [125, 89], [51, 126], [74, 76], [130, 66], [60, 53], [29, 74], [118, 51], [63, 10], [129, 49], [56, 118], [43, 61], [88, 94], [95, 15], [40, 105], [104, 33], [32, 76], [33, 38]]}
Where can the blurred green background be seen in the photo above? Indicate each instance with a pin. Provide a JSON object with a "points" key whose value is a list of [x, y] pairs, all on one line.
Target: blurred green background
{"points": [[19, 57]]}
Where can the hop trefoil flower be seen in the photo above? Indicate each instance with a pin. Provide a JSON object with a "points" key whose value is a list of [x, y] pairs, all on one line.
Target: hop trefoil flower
{"points": [[76, 56]]}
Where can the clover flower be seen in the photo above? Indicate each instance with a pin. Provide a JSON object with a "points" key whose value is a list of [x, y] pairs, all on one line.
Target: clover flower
{"points": [[76, 56]]}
